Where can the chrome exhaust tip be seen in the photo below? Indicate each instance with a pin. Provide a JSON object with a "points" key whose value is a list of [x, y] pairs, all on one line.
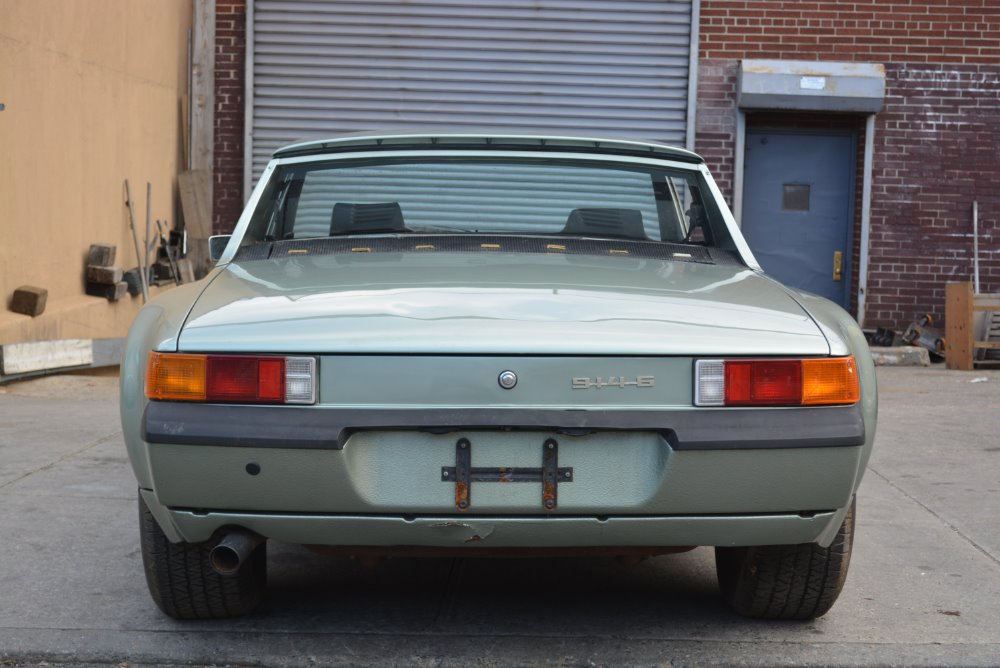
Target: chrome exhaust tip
{"points": [[233, 550]]}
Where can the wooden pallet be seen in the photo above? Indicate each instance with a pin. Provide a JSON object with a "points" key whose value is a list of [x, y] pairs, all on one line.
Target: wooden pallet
{"points": [[960, 306], [990, 332]]}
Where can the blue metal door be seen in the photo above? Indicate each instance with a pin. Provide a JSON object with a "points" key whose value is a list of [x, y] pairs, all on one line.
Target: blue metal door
{"points": [[798, 200]]}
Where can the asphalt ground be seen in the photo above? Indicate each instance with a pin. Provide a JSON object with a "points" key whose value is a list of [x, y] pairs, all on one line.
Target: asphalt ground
{"points": [[923, 589]]}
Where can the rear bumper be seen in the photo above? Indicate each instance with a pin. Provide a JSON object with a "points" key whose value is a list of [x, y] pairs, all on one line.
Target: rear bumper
{"points": [[661, 478], [329, 428], [487, 532]]}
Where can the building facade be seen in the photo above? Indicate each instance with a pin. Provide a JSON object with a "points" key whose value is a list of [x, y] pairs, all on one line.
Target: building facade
{"points": [[935, 144], [91, 96], [869, 203]]}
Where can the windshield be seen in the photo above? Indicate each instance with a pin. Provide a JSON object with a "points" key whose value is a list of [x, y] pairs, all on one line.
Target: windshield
{"points": [[524, 196]]}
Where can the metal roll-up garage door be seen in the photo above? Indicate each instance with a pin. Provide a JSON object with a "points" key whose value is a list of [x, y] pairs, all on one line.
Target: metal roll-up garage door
{"points": [[591, 67]]}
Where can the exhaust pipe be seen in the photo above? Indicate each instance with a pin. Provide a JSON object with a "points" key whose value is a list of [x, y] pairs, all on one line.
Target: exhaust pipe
{"points": [[234, 549]]}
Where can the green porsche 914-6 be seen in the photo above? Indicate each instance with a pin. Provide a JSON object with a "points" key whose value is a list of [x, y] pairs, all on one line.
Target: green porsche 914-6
{"points": [[494, 345]]}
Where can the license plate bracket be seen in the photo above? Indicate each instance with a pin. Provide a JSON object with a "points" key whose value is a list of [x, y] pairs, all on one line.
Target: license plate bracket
{"points": [[463, 474]]}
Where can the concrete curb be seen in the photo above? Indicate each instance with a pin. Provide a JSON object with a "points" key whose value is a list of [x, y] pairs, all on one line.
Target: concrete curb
{"points": [[901, 356]]}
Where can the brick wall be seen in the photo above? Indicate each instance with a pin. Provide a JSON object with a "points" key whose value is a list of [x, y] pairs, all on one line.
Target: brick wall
{"points": [[935, 141], [937, 148], [230, 70], [914, 31], [715, 123]]}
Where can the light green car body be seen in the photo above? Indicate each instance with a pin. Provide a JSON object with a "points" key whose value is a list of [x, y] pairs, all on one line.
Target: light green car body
{"points": [[426, 334]]}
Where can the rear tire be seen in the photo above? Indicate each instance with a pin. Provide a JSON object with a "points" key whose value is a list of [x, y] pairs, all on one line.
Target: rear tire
{"points": [[786, 581], [184, 585]]}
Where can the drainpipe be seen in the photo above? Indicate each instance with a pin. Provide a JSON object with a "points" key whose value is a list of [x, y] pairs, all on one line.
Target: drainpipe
{"points": [[866, 216], [975, 246], [738, 158], [692, 106]]}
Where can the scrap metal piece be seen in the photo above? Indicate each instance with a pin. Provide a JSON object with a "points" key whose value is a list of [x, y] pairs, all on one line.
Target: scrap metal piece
{"points": [[920, 333]]}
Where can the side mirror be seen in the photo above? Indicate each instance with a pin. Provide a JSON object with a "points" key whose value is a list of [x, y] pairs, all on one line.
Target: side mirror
{"points": [[217, 245]]}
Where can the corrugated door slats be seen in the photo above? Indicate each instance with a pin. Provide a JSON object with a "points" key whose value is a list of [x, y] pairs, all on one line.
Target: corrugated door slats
{"points": [[594, 67]]}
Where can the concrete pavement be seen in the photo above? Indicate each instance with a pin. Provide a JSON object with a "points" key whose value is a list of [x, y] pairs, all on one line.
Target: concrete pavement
{"points": [[924, 585]]}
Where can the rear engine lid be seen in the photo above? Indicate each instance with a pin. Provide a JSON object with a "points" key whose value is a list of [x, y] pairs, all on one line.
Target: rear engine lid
{"points": [[497, 303]]}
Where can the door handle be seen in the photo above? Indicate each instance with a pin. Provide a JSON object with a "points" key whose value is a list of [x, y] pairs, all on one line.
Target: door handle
{"points": [[838, 265]]}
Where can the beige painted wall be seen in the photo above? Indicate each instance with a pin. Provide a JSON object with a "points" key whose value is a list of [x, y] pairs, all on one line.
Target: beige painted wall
{"points": [[92, 94]]}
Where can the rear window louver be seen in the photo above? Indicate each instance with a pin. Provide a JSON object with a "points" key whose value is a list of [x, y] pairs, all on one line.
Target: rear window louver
{"points": [[466, 243]]}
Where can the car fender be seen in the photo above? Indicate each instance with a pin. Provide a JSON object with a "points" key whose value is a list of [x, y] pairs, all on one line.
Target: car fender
{"points": [[157, 326], [846, 338]]}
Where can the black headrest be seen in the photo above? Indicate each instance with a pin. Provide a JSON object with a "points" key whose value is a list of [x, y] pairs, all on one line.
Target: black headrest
{"points": [[617, 223], [350, 218]]}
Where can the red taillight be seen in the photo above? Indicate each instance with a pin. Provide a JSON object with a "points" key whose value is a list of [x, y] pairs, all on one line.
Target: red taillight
{"points": [[271, 379], [245, 379], [763, 382], [231, 378]]}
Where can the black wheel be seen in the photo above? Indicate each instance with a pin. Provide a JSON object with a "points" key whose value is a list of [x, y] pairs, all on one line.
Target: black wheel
{"points": [[786, 581], [183, 584]]}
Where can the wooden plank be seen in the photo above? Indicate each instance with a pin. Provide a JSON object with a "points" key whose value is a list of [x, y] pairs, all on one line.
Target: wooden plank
{"points": [[185, 130], [39, 355], [195, 191], [986, 303], [958, 325], [185, 270], [203, 87], [989, 345]]}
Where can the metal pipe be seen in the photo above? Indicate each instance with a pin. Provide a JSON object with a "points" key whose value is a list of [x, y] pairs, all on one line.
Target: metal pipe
{"points": [[738, 160], [190, 97], [248, 139], [866, 216], [975, 247], [146, 248], [692, 102], [135, 238], [233, 550]]}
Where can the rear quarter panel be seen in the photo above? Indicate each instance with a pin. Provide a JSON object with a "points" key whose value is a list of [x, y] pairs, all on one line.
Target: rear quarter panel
{"points": [[156, 327], [846, 338]]}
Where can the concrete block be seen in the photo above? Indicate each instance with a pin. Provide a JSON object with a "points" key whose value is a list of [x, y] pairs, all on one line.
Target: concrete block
{"points": [[101, 255], [104, 275], [133, 279], [18, 358], [29, 300], [110, 292], [901, 356]]}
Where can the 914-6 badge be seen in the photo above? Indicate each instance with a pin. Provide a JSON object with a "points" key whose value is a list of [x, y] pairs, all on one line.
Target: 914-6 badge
{"points": [[613, 381]]}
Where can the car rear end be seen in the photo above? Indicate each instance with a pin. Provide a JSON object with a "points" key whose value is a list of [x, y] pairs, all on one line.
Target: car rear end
{"points": [[487, 394], [403, 450]]}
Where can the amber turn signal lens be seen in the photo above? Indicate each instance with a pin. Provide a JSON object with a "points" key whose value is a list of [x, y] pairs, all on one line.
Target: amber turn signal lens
{"points": [[830, 381], [175, 377]]}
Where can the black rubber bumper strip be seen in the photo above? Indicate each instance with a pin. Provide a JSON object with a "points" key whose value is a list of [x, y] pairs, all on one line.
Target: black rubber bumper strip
{"points": [[329, 428]]}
